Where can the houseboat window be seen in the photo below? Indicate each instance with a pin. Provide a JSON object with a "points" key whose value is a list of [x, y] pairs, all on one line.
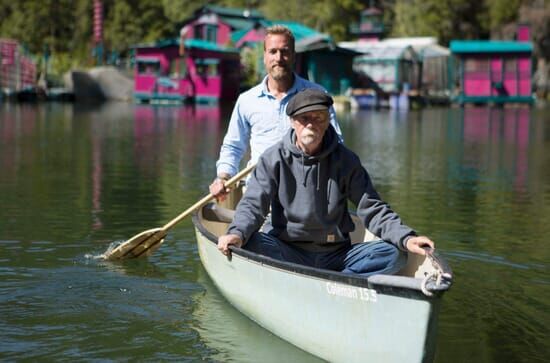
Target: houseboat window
{"points": [[206, 32], [382, 73], [510, 65], [476, 65], [198, 31], [211, 33], [207, 67], [178, 67], [148, 67]]}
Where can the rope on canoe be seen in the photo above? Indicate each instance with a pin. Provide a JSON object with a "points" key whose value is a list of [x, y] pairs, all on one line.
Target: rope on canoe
{"points": [[436, 276]]}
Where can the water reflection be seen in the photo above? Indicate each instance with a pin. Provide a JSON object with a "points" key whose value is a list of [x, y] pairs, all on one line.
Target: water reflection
{"points": [[232, 336], [502, 137], [75, 178]]}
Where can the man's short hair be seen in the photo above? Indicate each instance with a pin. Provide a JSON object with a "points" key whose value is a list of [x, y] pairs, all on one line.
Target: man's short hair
{"points": [[281, 30]]}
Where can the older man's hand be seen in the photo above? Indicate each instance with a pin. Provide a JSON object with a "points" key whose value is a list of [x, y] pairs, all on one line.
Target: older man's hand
{"points": [[416, 244], [227, 240]]}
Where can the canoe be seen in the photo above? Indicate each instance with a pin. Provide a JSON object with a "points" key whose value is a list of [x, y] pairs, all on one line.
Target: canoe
{"points": [[335, 316]]}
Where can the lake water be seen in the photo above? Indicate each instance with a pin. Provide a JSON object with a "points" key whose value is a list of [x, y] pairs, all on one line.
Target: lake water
{"points": [[74, 178]]}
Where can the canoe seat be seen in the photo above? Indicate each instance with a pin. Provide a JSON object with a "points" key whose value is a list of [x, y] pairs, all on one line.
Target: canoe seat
{"points": [[216, 213]]}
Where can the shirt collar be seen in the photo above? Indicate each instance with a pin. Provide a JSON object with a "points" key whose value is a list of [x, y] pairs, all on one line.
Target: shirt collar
{"points": [[296, 86]]}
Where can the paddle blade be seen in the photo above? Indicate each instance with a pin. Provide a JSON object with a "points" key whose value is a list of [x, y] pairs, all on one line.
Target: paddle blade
{"points": [[141, 245]]}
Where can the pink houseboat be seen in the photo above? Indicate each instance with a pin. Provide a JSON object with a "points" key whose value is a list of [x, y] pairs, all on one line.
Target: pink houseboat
{"points": [[200, 65], [494, 71], [199, 71]]}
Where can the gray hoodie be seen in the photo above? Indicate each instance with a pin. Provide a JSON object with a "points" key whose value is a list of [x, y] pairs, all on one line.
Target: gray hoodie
{"points": [[308, 196]]}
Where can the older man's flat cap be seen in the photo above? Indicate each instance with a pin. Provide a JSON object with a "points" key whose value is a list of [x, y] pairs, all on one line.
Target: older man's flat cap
{"points": [[309, 99]]}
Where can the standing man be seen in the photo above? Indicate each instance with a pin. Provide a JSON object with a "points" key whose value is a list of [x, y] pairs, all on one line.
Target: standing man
{"points": [[259, 116]]}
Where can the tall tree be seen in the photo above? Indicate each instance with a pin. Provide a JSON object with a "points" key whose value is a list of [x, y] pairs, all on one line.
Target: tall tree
{"points": [[444, 19]]}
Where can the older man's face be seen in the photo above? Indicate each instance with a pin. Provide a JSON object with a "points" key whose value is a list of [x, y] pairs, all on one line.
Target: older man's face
{"points": [[278, 56], [310, 127]]}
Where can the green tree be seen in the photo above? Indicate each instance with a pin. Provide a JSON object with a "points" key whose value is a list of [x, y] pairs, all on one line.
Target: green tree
{"points": [[444, 19], [328, 16]]}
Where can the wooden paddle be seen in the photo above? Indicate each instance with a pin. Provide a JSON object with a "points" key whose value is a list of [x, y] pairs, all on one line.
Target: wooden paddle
{"points": [[147, 242]]}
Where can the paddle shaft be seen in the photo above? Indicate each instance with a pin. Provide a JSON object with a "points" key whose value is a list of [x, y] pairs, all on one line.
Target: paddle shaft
{"points": [[208, 197]]}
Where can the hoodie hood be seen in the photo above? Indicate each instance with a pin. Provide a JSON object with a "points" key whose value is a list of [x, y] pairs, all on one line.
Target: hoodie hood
{"points": [[291, 150]]}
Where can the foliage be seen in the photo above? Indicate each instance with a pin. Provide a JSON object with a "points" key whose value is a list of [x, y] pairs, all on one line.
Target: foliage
{"points": [[443, 19], [252, 70], [64, 27]]}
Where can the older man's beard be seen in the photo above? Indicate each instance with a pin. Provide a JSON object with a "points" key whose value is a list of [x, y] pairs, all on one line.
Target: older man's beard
{"points": [[309, 137]]}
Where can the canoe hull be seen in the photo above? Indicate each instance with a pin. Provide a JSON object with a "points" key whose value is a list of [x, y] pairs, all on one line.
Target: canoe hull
{"points": [[322, 315]]}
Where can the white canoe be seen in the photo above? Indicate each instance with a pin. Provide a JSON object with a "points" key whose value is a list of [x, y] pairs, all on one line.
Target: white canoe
{"points": [[334, 316]]}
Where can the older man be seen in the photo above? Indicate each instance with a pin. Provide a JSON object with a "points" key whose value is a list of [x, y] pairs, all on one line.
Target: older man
{"points": [[307, 179], [259, 114]]}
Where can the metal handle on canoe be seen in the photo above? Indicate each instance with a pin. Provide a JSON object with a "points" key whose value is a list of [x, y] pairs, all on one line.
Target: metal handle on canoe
{"points": [[209, 197]]}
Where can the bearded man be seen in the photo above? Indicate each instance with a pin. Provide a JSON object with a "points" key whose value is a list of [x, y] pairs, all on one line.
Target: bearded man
{"points": [[259, 117]]}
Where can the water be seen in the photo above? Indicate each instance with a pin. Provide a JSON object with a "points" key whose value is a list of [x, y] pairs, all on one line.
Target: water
{"points": [[75, 178]]}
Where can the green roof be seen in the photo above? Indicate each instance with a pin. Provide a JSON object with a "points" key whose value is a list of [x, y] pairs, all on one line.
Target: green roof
{"points": [[238, 24], [487, 46], [238, 34], [300, 31], [203, 44]]}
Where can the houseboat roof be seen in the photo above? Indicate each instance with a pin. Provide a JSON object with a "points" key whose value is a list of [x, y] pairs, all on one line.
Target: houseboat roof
{"points": [[378, 51], [488, 46], [425, 47], [189, 43]]}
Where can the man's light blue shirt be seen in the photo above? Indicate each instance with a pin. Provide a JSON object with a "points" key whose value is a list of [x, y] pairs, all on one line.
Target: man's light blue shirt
{"points": [[261, 118]]}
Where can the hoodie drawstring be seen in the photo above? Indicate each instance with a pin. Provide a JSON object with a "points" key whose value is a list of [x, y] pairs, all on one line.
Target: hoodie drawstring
{"points": [[318, 174], [303, 171]]}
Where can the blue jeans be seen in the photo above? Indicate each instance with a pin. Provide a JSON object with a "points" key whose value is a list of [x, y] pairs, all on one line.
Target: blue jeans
{"points": [[365, 259]]}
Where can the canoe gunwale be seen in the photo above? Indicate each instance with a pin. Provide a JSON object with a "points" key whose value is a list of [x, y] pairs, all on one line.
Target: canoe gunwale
{"points": [[409, 287]]}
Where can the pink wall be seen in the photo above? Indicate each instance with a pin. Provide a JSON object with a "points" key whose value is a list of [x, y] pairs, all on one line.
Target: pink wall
{"points": [[524, 72], [223, 34], [496, 73], [523, 33], [513, 71], [477, 83]]}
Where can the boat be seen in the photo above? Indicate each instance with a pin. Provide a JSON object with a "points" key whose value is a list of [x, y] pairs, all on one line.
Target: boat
{"points": [[335, 316]]}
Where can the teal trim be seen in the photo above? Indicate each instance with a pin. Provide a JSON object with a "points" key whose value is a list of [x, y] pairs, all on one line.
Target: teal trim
{"points": [[147, 60], [300, 31], [493, 99], [204, 45], [206, 99], [189, 43], [206, 61], [485, 46], [142, 97]]}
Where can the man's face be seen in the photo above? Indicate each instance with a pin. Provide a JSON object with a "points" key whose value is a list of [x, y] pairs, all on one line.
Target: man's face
{"points": [[278, 56], [310, 128]]}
